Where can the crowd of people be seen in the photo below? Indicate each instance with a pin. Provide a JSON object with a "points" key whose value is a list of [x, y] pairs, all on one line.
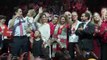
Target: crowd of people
{"points": [[49, 36]]}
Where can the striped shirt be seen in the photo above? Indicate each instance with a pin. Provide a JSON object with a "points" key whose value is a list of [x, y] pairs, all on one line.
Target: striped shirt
{"points": [[16, 29]]}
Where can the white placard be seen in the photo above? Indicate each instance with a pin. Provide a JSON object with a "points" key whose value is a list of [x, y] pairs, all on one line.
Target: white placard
{"points": [[73, 38]]}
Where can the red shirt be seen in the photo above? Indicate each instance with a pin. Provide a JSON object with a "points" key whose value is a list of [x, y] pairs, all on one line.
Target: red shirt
{"points": [[102, 29], [52, 27], [5, 30]]}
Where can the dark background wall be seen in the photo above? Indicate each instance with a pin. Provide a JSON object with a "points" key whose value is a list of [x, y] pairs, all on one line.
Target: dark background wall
{"points": [[6, 6]]}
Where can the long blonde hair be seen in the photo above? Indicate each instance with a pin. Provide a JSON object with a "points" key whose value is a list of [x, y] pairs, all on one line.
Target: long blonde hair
{"points": [[103, 12], [98, 16]]}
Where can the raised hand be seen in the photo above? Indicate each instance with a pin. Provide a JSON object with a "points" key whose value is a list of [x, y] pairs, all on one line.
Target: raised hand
{"points": [[97, 30], [80, 29], [40, 10], [15, 16]]}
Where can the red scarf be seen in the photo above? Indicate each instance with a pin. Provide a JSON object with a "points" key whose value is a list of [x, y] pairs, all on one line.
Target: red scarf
{"points": [[60, 30]]}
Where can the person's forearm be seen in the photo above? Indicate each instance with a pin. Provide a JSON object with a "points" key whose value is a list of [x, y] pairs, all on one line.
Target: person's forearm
{"points": [[37, 17]]}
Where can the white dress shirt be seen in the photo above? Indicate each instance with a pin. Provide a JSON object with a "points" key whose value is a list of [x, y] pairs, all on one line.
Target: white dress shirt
{"points": [[85, 25], [17, 26]]}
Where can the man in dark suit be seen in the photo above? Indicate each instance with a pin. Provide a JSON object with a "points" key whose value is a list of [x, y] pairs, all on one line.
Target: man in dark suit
{"points": [[85, 32]]}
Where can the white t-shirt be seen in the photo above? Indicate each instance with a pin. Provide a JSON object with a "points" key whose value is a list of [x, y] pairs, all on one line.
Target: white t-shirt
{"points": [[45, 31], [73, 37]]}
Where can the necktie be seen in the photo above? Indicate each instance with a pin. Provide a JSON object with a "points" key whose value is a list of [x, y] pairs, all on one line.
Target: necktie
{"points": [[21, 28]]}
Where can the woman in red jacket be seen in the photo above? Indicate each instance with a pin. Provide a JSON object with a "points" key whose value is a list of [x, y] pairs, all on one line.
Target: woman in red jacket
{"points": [[97, 22], [103, 34], [4, 34]]}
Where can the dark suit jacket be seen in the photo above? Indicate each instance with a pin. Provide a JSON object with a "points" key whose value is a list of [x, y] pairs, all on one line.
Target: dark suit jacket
{"points": [[86, 36], [87, 33]]}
